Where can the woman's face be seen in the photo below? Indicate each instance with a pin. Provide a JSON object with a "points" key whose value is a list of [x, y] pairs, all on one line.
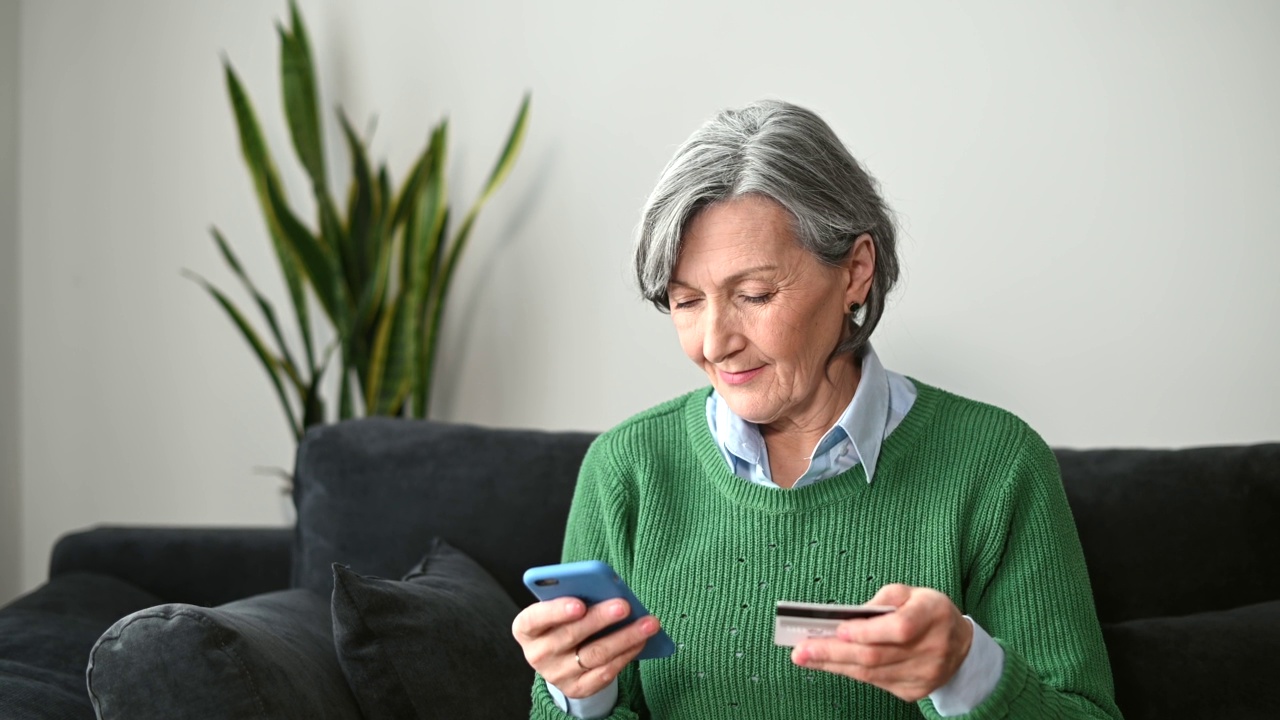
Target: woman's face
{"points": [[760, 314]]}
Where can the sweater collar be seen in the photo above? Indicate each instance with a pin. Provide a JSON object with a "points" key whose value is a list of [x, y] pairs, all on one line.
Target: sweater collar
{"points": [[842, 487]]}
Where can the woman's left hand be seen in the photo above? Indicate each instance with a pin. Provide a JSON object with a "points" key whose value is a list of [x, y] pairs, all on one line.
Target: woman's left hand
{"points": [[909, 652]]}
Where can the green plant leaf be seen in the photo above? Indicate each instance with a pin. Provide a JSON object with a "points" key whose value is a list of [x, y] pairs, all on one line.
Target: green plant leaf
{"points": [[321, 267], [336, 241], [301, 98], [403, 204], [393, 351], [510, 151], [346, 408], [421, 397], [264, 305], [360, 211], [257, 159], [301, 103], [429, 212], [423, 250], [438, 247], [379, 251], [382, 211], [313, 404], [372, 302], [264, 355], [378, 361]]}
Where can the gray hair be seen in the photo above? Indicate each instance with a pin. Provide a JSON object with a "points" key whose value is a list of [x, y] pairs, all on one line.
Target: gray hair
{"points": [[785, 153]]}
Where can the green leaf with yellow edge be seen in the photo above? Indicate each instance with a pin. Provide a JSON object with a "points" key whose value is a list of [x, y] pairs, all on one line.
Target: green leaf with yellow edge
{"points": [[426, 220], [264, 305], [301, 98], [382, 213], [430, 218], [320, 265], [427, 184], [360, 210], [336, 242], [258, 160], [379, 252], [264, 355], [403, 203], [346, 408], [313, 404], [389, 375], [510, 151]]}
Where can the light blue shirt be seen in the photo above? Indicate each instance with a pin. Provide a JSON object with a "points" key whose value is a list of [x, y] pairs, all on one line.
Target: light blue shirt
{"points": [[880, 402]]}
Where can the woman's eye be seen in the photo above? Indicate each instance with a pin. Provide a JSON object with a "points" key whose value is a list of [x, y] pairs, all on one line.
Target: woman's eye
{"points": [[757, 299], [683, 304]]}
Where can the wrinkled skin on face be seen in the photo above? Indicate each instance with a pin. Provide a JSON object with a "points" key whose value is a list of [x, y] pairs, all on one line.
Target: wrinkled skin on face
{"points": [[761, 316]]}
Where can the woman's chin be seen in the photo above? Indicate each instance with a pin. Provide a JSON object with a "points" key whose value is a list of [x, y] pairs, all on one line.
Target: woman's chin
{"points": [[748, 406]]}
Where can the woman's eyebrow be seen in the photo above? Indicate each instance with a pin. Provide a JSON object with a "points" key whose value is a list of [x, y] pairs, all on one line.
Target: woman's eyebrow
{"points": [[741, 274]]}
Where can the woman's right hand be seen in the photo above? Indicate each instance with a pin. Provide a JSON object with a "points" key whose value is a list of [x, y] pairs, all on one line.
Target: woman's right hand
{"points": [[552, 634]]}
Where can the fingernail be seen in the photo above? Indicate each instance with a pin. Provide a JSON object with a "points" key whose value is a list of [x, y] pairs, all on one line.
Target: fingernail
{"points": [[617, 610], [649, 626], [799, 656], [572, 608]]}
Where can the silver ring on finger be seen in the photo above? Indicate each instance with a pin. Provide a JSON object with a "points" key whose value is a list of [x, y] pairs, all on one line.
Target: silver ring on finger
{"points": [[578, 659]]}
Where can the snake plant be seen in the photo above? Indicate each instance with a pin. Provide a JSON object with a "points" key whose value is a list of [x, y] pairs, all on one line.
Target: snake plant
{"points": [[380, 267]]}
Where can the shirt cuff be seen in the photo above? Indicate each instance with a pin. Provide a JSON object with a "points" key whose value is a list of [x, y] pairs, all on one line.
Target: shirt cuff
{"points": [[977, 677], [593, 707]]}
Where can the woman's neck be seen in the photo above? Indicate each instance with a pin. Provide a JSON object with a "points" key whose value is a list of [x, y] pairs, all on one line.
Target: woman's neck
{"points": [[792, 441]]}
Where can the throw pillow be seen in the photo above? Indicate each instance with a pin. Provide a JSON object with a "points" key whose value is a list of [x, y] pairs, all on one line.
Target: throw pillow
{"points": [[268, 656], [1208, 665], [436, 645]]}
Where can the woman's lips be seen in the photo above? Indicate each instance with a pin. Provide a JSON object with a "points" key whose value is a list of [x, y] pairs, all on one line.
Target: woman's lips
{"points": [[738, 378]]}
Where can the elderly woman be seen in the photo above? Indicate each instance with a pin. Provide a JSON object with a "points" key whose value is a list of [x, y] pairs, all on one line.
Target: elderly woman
{"points": [[809, 472]]}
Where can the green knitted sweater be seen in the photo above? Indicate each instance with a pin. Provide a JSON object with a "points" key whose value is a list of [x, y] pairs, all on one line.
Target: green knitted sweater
{"points": [[967, 499]]}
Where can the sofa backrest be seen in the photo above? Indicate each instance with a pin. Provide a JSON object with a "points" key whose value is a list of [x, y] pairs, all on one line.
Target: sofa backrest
{"points": [[1165, 532], [371, 494], [1176, 532]]}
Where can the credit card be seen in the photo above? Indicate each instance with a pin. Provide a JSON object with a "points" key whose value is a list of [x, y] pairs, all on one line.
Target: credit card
{"points": [[796, 621]]}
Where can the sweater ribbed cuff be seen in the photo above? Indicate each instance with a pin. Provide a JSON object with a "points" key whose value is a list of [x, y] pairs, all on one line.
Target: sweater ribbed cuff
{"points": [[1000, 704], [544, 706]]}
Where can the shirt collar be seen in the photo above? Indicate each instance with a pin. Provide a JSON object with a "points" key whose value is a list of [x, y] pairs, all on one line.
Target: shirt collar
{"points": [[863, 422]]}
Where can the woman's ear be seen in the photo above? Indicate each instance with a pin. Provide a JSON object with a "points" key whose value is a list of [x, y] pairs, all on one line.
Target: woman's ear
{"points": [[860, 264]]}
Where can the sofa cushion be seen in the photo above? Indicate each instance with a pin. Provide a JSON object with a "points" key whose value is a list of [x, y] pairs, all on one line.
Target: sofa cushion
{"points": [[269, 656], [371, 493], [1207, 665], [1176, 532], [45, 638], [436, 645]]}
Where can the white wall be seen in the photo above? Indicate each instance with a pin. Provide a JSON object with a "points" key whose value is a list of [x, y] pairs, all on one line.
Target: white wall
{"points": [[10, 502], [1087, 193]]}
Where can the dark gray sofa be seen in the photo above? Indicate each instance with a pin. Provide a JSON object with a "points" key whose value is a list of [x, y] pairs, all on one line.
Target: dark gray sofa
{"points": [[1182, 548]]}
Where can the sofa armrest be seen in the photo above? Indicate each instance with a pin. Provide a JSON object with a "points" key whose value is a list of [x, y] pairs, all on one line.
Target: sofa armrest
{"points": [[200, 566]]}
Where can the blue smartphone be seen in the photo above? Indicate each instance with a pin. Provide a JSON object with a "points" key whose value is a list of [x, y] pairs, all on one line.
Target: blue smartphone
{"points": [[592, 581]]}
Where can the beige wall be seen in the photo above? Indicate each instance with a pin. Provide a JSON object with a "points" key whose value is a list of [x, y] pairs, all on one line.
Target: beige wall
{"points": [[1087, 192], [10, 486]]}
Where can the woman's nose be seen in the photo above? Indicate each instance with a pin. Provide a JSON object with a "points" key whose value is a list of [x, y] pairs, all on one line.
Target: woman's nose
{"points": [[721, 336]]}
